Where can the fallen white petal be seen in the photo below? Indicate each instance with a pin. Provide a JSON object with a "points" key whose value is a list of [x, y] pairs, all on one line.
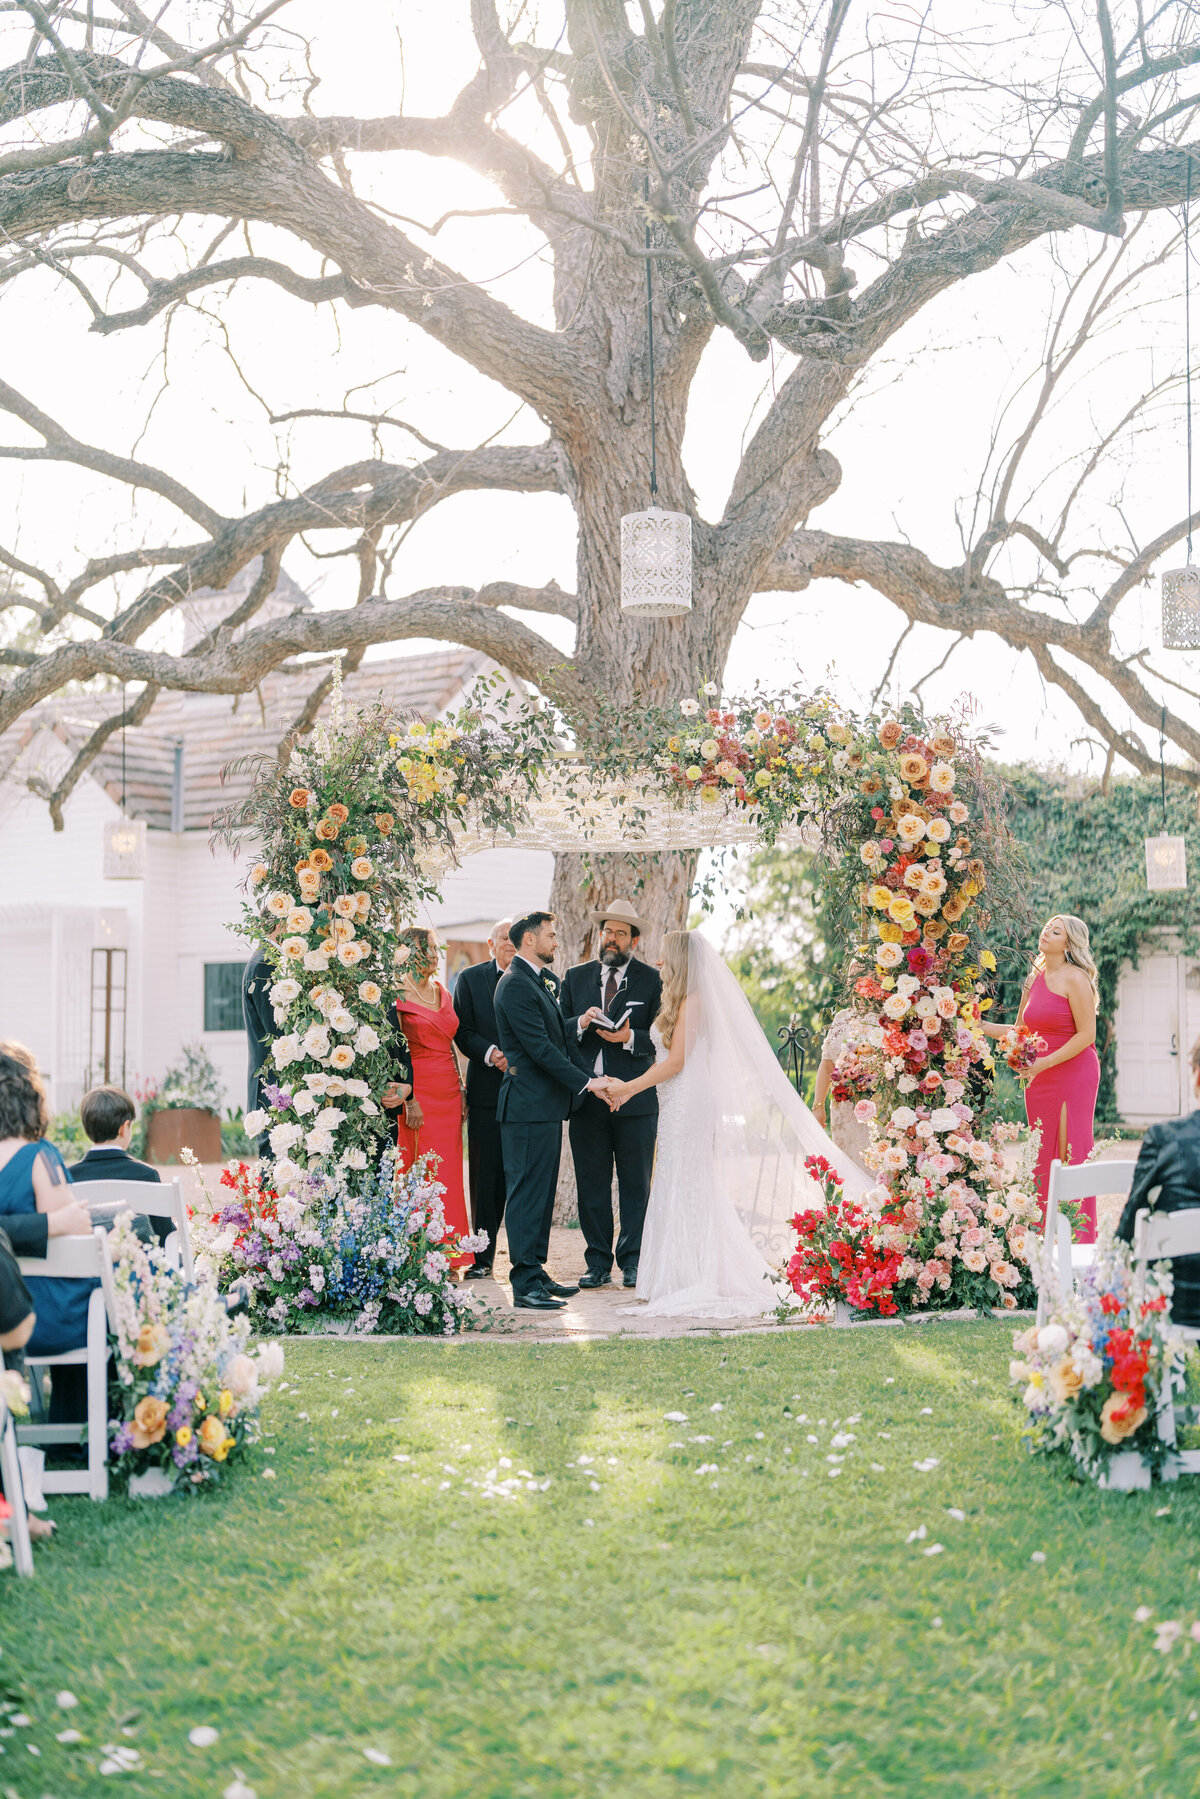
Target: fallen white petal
{"points": [[378, 1757], [65, 1701], [203, 1736], [934, 1549]]}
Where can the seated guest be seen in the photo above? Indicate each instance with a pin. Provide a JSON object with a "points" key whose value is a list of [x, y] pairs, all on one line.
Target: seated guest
{"points": [[16, 1328], [107, 1115], [1167, 1179], [34, 1179]]}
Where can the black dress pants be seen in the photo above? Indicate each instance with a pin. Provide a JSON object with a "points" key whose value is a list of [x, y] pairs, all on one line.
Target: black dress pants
{"points": [[531, 1158], [485, 1174], [601, 1140]]}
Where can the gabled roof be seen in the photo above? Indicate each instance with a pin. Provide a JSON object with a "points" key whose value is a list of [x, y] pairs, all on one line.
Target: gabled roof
{"points": [[216, 730]]}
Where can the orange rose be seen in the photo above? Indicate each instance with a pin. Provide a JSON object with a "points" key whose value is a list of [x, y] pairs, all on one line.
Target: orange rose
{"points": [[1118, 1420], [976, 871], [303, 866], [149, 1422], [321, 860], [338, 813], [298, 797], [1065, 1380], [913, 769], [934, 928], [870, 787], [957, 941], [384, 823], [942, 744], [905, 807], [890, 733], [326, 829], [356, 846], [954, 909]]}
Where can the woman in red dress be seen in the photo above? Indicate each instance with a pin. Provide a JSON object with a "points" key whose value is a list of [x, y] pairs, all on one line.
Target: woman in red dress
{"points": [[1059, 1003], [431, 1119]]}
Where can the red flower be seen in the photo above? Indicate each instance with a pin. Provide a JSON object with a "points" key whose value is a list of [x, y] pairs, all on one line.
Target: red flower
{"points": [[1111, 1305]]}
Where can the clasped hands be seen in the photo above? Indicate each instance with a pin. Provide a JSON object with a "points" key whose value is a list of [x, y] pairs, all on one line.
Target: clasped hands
{"points": [[612, 1091]]}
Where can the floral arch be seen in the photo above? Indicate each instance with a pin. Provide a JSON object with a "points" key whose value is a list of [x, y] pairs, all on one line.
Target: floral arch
{"points": [[367, 814]]}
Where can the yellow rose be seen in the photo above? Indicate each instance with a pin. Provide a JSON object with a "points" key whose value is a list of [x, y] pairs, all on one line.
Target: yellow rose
{"points": [[881, 898], [693, 773], [710, 795], [1118, 1420], [762, 778], [900, 911], [987, 960], [890, 933], [213, 1438], [183, 1435], [225, 1402]]}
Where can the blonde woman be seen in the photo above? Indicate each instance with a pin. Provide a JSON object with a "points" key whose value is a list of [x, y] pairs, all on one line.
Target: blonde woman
{"points": [[1060, 1002], [733, 1137]]}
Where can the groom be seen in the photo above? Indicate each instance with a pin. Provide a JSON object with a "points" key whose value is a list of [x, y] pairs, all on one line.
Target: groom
{"points": [[542, 1084], [627, 992]]}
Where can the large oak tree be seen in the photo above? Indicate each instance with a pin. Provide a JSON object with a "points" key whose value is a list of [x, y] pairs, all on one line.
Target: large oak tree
{"points": [[805, 178]]}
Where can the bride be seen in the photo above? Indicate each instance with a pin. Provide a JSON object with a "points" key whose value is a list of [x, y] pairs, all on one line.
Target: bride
{"points": [[732, 1138]]}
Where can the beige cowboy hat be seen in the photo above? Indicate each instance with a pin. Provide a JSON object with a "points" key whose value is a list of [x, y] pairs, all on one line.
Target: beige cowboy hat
{"points": [[621, 912]]}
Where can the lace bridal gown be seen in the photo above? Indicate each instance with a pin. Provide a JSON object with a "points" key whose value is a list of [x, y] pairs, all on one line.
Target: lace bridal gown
{"points": [[729, 1171]]}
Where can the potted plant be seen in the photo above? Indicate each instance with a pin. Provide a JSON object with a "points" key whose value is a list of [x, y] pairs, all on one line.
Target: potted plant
{"points": [[185, 1112]]}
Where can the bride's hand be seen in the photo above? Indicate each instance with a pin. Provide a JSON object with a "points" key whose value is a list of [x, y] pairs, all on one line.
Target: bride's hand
{"points": [[616, 1094]]}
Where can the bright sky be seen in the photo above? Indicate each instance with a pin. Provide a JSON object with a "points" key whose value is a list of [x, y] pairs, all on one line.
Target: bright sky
{"points": [[912, 447]]}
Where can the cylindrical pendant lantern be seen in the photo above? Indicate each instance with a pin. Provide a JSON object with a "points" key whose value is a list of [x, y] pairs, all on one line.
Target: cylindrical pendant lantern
{"points": [[1181, 608], [656, 563], [125, 850], [1166, 864]]}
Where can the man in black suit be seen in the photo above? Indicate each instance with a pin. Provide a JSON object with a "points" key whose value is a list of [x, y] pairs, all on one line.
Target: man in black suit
{"points": [[258, 1016], [541, 1085], [107, 1115], [1167, 1179], [616, 984], [478, 1039]]}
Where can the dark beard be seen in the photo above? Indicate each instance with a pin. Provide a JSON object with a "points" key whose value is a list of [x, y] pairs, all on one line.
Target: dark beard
{"points": [[615, 958]]}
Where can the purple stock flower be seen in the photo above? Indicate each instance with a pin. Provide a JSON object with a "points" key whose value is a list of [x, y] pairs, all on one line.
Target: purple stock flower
{"points": [[122, 1441], [306, 1297]]}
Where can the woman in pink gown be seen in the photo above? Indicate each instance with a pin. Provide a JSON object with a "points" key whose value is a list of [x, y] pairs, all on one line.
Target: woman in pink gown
{"points": [[1059, 1003], [432, 1118]]}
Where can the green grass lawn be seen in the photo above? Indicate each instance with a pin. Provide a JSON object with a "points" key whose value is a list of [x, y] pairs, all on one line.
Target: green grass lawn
{"points": [[643, 1625]]}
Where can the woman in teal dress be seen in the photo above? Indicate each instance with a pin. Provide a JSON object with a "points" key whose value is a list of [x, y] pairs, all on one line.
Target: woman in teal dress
{"points": [[34, 1178]]}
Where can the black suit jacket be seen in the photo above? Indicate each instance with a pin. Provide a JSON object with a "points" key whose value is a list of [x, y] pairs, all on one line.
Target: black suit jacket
{"points": [[545, 1078], [475, 1003], [109, 1164], [641, 991], [258, 1015], [1169, 1161], [28, 1232]]}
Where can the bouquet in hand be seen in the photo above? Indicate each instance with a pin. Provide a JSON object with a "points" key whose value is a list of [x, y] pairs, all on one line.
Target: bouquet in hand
{"points": [[1022, 1047]]}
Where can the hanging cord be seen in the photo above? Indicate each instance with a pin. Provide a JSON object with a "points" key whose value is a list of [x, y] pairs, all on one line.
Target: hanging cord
{"points": [[122, 749], [1162, 763], [650, 325], [1187, 348]]}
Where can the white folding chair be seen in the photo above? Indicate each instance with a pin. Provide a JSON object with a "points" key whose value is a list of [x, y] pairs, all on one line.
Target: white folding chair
{"points": [[1158, 1237], [151, 1200], [76, 1258], [1075, 1180], [14, 1492]]}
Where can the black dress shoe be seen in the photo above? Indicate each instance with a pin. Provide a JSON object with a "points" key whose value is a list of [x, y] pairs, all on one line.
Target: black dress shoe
{"points": [[477, 1272], [595, 1280], [630, 1276], [557, 1289], [537, 1301]]}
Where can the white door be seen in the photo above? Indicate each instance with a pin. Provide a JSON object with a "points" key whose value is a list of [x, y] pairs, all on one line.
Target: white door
{"points": [[1148, 1039]]}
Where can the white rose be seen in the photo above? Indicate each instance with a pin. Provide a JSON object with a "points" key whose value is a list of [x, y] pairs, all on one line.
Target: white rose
{"points": [[315, 1041], [328, 1118], [903, 1118], [316, 961], [285, 1050], [317, 1082], [366, 1040], [303, 1102], [355, 1158], [944, 1119], [341, 1020], [895, 1005], [319, 1143], [1052, 1339], [283, 1136], [907, 983], [908, 1083], [286, 1172], [254, 1123], [358, 1089], [711, 689], [370, 1108]]}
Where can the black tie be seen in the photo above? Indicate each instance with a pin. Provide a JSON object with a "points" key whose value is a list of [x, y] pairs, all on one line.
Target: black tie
{"points": [[611, 984]]}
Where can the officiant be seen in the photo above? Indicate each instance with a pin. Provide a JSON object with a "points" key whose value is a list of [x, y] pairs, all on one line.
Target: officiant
{"points": [[622, 989]]}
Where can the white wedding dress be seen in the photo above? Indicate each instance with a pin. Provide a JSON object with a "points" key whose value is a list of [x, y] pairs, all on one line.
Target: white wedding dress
{"points": [[729, 1170]]}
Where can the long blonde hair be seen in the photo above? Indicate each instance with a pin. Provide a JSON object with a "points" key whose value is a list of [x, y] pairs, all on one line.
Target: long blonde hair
{"points": [[1079, 950], [675, 982]]}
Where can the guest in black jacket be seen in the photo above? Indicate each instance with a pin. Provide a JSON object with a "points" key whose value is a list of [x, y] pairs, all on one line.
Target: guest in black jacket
{"points": [[107, 1115], [616, 984], [258, 1016], [1167, 1179], [478, 1039]]}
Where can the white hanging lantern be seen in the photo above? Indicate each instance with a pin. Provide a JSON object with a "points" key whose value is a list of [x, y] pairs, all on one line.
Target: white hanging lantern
{"points": [[1166, 864], [125, 850], [1181, 608], [656, 564]]}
